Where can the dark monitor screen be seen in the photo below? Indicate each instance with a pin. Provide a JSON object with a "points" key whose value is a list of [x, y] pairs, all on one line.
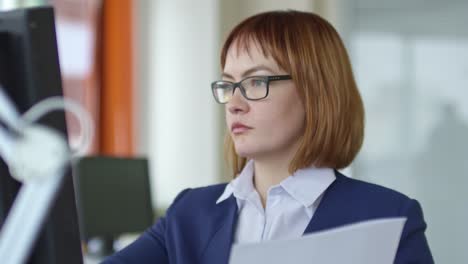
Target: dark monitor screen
{"points": [[114, 196], [29, 73]]}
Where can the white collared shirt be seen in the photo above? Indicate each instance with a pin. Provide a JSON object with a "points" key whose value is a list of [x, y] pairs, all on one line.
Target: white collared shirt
{"points": [[289, 206]]}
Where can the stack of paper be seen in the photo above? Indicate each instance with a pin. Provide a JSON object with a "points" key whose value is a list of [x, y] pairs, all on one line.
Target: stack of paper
{"points": [[370, 242]]}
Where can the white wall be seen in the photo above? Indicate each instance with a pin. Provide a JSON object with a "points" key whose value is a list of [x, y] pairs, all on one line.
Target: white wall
{"points": [[180, 121]]}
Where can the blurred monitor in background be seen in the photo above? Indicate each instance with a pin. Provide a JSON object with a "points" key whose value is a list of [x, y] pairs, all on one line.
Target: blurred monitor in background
{"points": [[29, 73], [113, 199]]}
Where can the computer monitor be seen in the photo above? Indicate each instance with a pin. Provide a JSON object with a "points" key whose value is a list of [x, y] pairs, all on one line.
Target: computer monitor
{"points": [[114, 198], [29, 73]]}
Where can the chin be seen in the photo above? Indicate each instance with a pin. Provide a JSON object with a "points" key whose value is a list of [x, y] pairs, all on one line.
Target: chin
{"points": [[251, 150], [244, 152], [247, 153]]}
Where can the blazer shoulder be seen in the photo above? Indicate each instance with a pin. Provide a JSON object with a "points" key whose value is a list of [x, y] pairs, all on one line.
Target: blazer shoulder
{"points": [[370, 189], [370, 195], [198, 198]]}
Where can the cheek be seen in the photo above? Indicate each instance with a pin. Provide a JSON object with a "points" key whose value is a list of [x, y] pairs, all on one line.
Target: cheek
{"points": [[284, 107], [282, 119]]}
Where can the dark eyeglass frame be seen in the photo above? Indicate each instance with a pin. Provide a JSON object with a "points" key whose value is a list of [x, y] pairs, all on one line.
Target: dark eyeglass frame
{"points": [[267, 78]]}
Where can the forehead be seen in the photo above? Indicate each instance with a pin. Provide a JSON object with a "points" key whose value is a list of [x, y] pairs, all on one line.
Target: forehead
{"points": [[240, 57]]}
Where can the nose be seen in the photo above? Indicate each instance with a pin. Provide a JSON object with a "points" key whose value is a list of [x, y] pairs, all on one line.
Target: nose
{"points": [[237, 104]]}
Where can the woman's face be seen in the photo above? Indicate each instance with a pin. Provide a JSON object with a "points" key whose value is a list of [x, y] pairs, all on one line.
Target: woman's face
{"points": [[269, 127]]}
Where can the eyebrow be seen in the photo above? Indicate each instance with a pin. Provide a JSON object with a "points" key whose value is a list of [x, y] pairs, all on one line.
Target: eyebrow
{"points": [[249, 71]]}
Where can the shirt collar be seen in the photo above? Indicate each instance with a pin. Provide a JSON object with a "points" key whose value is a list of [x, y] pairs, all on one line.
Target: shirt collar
{"points": [[241, 186], [308, 184], [305, 185]]}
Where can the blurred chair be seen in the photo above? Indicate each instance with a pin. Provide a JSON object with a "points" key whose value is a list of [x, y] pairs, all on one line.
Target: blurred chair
{"points": [[113, 198]]}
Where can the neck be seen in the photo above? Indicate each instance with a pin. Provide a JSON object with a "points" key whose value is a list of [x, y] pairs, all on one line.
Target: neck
{"points": [[271, 169], [269, 172]]}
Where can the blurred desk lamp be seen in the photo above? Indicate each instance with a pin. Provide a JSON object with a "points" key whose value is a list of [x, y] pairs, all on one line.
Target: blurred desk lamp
{"points": [[37, 156]]}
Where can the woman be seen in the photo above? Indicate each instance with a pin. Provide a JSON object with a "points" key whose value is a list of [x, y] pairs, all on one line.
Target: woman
{"points": [[294, 116]]}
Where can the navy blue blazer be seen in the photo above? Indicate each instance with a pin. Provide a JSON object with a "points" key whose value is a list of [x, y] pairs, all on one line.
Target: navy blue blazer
{"points": [[197, 230]]}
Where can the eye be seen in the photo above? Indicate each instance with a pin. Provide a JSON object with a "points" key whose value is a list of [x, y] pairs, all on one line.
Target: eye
{"points": [[257, 82], [224, 85]]}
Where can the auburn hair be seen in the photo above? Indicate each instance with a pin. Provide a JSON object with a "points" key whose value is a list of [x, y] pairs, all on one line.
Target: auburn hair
{"points": [[311, 51]]}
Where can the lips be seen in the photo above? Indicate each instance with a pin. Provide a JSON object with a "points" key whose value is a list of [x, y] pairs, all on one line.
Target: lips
{"points": [[239, 128]]}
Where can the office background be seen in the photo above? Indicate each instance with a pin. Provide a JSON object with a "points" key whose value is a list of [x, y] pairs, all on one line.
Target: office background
{"points": [[143, 68]]}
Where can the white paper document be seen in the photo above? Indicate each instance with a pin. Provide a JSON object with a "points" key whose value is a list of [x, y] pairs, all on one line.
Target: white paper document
{"points": [[369, 242]]}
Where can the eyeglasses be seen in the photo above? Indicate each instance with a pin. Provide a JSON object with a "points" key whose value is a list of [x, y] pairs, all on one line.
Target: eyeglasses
{"points": [[252, 88]]}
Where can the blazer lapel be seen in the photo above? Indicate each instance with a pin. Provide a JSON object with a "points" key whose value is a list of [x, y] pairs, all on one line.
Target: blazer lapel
{"points": [[224, 218], [333, 210]]}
